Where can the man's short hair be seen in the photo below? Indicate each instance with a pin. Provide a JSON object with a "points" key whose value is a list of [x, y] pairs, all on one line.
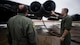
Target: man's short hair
{"points": [[66, 9], [23, 9]]}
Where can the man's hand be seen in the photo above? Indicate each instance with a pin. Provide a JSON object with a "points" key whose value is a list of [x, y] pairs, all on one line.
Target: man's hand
{"points": [[53, 13], [63, 35], [61, 39]]}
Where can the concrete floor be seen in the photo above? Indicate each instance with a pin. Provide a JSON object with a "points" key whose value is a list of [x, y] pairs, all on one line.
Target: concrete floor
{"points": [[49, 40], [73, 43]]}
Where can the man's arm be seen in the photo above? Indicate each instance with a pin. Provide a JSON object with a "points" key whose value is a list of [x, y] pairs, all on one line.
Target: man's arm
{"points": [[32, 34], [65, 33], [68, 25], [9, 35], [59, 16]]}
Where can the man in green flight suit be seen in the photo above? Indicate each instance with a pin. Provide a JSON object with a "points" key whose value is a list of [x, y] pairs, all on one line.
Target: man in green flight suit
{"points": [[21, 28], [66, 24]]}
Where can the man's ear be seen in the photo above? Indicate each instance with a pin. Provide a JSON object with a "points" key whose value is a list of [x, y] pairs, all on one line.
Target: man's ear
{"points": [[26, 12]]}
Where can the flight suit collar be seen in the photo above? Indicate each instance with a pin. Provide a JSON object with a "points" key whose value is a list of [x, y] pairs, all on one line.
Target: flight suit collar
{"points": [[21, 14]]}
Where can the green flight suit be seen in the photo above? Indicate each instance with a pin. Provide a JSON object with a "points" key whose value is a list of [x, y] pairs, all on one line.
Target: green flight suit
{"points": [[22, 31], [66, 23]]}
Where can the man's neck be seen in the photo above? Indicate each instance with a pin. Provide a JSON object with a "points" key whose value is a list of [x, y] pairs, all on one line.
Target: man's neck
{"points": [[21, 14], [65, 14]]}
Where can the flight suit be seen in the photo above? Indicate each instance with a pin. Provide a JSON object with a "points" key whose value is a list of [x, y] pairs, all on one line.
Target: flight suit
{"points": [[22, 31], [66, 23]]}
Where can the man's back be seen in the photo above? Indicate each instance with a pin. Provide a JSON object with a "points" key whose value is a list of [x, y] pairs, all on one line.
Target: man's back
{"points": [[21, 29]]}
